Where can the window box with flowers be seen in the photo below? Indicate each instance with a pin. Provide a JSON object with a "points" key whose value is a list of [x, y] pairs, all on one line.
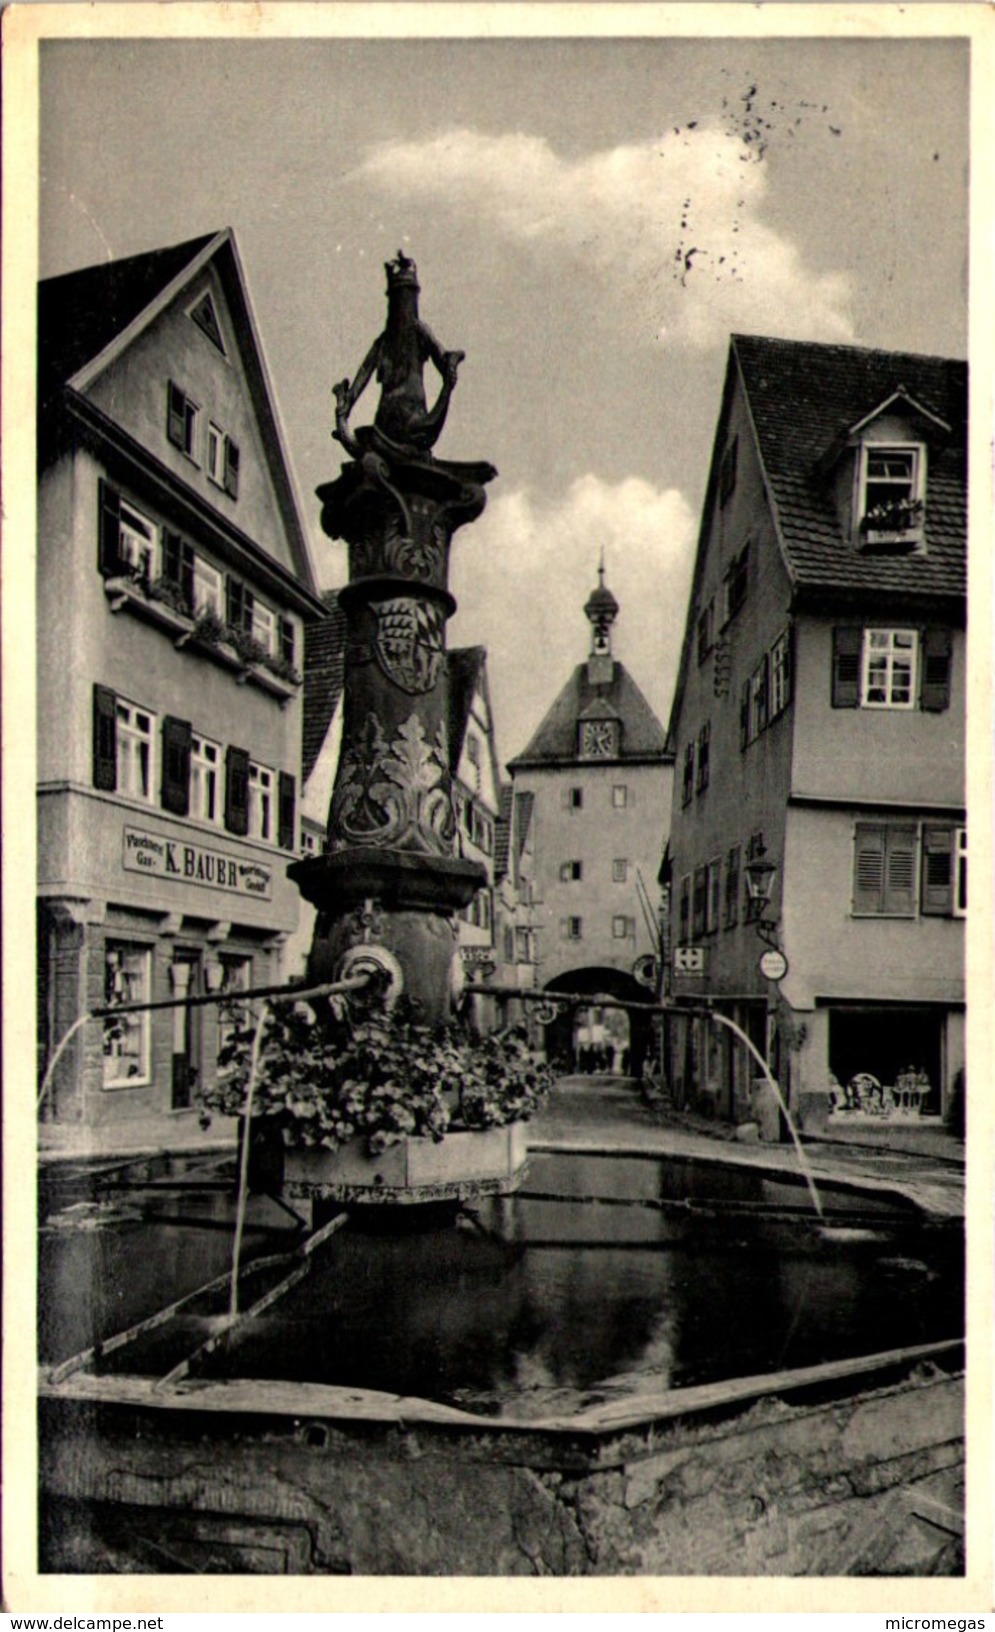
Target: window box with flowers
{"points": [[893, 521], [156, 600]]}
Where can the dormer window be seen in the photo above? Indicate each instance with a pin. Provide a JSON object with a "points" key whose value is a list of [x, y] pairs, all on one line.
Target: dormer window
{"points": [[890, 504]]}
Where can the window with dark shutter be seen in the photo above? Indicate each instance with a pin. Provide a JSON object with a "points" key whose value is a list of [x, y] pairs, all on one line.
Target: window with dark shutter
{"points": [[176, 745], [287, 817], [884, 869], [232, 461], [177, 564], [104, 738], [109, 531], [287, 640], [239, 601], [847, 643], [176, 417], [937, 652], [744, 715], [699, 901], [237, 791], [936, 898]]}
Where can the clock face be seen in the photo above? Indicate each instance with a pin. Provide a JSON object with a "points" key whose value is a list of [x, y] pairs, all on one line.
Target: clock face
{"points": [[597, 738]]}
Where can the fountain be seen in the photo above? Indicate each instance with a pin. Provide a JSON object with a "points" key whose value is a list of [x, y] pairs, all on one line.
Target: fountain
{"points": [[611, 1363]]}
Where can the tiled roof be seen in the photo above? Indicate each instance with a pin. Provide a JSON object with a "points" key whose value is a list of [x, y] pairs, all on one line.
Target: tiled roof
{"points": [[555, 742], [804, 398], [80, 312], [324, 673]]}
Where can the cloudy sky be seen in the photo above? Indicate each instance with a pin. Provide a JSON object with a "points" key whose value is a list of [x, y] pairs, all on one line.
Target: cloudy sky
{"points": [[591, 219]]}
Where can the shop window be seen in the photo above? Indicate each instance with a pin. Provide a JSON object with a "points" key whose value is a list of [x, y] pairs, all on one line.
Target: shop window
{"points": [[236, 978], [181, 420], [126, 1041], [571, 871], [260, 802], [885, 855], [205, 780]]}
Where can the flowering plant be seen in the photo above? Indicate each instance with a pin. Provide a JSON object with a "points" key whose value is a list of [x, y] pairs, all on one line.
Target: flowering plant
{"points": [[895, 515], [381, 1076]]}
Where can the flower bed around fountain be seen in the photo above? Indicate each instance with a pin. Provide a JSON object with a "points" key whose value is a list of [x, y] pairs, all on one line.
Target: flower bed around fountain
{"points": [[379, 1107]]}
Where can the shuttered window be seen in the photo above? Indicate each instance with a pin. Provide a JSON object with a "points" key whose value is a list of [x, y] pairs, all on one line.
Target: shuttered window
{"points": [[232, 463], [687, 774], [937, 652], [780, 675], [239, 602], [178, 564], [181, 420], [704, 749], [104, 739], [732, 887], [684, 912], [937, 870], [847, 646], [287, 812], [884, 877], [237, 791], [287, 644], [699, 901], [176, 744], [109, 531]]}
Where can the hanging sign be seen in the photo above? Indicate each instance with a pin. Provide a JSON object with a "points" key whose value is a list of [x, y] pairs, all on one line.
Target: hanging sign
{"points": [[645, 969], [689, 961], [207, 865]]}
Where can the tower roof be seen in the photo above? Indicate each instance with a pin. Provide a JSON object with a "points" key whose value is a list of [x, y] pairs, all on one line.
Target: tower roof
{"points": [[642, 737]]}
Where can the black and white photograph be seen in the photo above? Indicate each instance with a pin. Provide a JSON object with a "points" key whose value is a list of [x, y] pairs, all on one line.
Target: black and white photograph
{"points": [[490, 985]]}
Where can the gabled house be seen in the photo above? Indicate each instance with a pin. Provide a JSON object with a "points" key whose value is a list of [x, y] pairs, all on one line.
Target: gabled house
{"points": [[597, 772], [174, 579], [818, 729]]}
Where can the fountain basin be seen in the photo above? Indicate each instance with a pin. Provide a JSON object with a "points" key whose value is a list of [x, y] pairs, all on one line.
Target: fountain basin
{"points": [[488, 1161]]}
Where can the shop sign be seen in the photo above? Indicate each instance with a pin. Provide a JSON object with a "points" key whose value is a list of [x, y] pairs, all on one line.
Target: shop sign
{"points": [[477, 954], [689, 961], [159, 857]]}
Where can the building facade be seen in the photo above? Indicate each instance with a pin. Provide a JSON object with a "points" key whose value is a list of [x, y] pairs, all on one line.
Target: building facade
{"points": [[818, 729], [598, 774], [173, 581]]}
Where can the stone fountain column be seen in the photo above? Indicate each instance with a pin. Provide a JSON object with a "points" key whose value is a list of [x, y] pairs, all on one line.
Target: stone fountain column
{"points": [[391, 880]]}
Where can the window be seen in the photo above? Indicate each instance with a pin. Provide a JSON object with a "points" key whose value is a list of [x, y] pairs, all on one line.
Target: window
{"points": [[237, 978], [127, 979], [684, 908], [620, 870], [620, 796], [205, 780], [181, 420], [758, 699], [263, 626], [891, 479], [943, 881], [574, 798], [699, 900], [713, 898], [884, 869], [780, 675], [888, 669], [260, 802], [222, 460], [138, 543], [727, 472], [288, 641], [687, 774], [135, 735], [735, 583], [706, 632], [573, 929], [623, 928], [206, 319], [208, 594], [571, 871], [732, 887], [704, 741]]}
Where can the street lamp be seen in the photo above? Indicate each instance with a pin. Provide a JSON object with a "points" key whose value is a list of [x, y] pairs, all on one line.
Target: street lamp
{"points": [[759, 881]]}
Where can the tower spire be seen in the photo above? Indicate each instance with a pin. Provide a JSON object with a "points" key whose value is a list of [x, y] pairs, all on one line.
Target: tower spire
{"points": [[601, 610]]}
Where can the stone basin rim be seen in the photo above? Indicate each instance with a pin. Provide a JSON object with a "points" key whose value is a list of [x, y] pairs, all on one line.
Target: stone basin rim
{"points": [[345, 1403]]}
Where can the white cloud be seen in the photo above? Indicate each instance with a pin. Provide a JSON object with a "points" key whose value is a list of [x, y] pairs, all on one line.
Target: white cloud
{"points": [[628, 217], [522, 573]]}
